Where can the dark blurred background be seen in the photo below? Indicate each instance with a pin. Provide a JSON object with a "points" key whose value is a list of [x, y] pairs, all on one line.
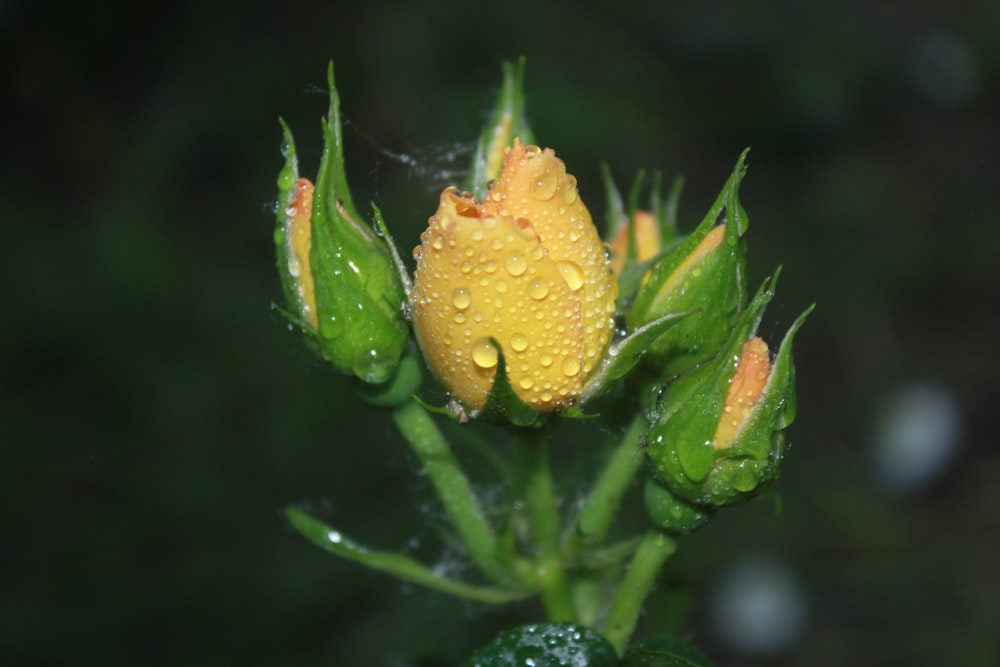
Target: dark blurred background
{"points": [[157, 414]]}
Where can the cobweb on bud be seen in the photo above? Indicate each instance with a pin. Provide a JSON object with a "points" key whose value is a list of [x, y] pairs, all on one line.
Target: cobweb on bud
{"points": [[435, 166]]}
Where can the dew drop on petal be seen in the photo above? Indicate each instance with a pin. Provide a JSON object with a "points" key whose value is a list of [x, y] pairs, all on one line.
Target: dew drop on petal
{"points": [[572, 274], [484, 354], [526, 382], [570, 367], [544, 186], [568, 192], [519, 342], [516, 264], [538, 289], [461, 299]]}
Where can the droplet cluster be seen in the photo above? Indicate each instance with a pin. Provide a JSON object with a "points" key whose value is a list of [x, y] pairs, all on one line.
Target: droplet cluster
{"points": [[524, 269]]}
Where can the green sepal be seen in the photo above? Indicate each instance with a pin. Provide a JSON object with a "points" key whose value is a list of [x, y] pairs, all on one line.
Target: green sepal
{"points": [[287, 262], [663, 651], [359, 293], [614, 212], [399, 388], [546, 645], [671, 514], [714, 285], [507, 122], [503, 404], [624, 355]]}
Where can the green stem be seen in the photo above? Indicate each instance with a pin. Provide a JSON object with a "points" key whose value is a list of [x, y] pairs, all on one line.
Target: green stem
{"points": [[546, 525], [453, 489], [654, 551], [605, 496], [398, 565]]}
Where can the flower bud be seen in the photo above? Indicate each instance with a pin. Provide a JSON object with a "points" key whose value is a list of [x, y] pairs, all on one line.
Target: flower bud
{"points": [[703, 275], [718, 435], [341, 282], [525, 270], [645, 230], [506, 123]]}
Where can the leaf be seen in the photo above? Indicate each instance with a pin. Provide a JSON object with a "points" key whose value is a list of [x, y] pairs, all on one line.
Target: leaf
{"points": [[546, 645]]}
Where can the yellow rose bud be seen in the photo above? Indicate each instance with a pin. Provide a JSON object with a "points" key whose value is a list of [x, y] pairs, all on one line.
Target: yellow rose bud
{"points": [[647, 240], [525, 268], [745, 390]]}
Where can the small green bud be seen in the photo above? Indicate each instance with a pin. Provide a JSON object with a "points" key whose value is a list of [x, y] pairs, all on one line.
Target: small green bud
{"points": [[507, 122], [705, 275], [718, 433], [341, 278]]}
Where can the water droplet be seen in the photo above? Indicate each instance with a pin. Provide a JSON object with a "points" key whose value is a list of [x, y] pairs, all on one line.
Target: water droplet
{"points": [[517, 264], [568, 192], [461, 299], [438, 243], [545, 360], [418, 253], [374, 367], [333, 537], [484, 354], [490, 266], [538, 289], [570, 367], [571, 273], [495, 194], [497, 244], [466, 266], [459, 318], [526, 382], [286, 179], [519, 342], [546, 396], [501, 286], [477, 235], [532, 150], [544, 187]]}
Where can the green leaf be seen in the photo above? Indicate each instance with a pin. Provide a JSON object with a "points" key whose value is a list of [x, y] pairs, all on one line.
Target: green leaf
{"points": [[546, 645], [664, 651]]}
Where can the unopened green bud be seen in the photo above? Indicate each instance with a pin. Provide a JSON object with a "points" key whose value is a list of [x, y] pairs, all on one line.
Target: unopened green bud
{"points": [[507, 122], [704, 275], [718, 436], [341, 279]]}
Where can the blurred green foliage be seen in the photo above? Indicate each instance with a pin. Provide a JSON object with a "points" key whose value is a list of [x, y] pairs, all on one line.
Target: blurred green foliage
{"points": [[157, 414]]}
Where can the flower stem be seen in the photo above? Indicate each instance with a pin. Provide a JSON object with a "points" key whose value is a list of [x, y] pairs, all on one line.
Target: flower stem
{"points": [[453, 489], [654, 551], [602, 502], [540, 502]]}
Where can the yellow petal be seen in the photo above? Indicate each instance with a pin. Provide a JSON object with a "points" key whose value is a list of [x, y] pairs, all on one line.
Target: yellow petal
{"points": [[299, 215], [745, 389], [533, 185]]}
